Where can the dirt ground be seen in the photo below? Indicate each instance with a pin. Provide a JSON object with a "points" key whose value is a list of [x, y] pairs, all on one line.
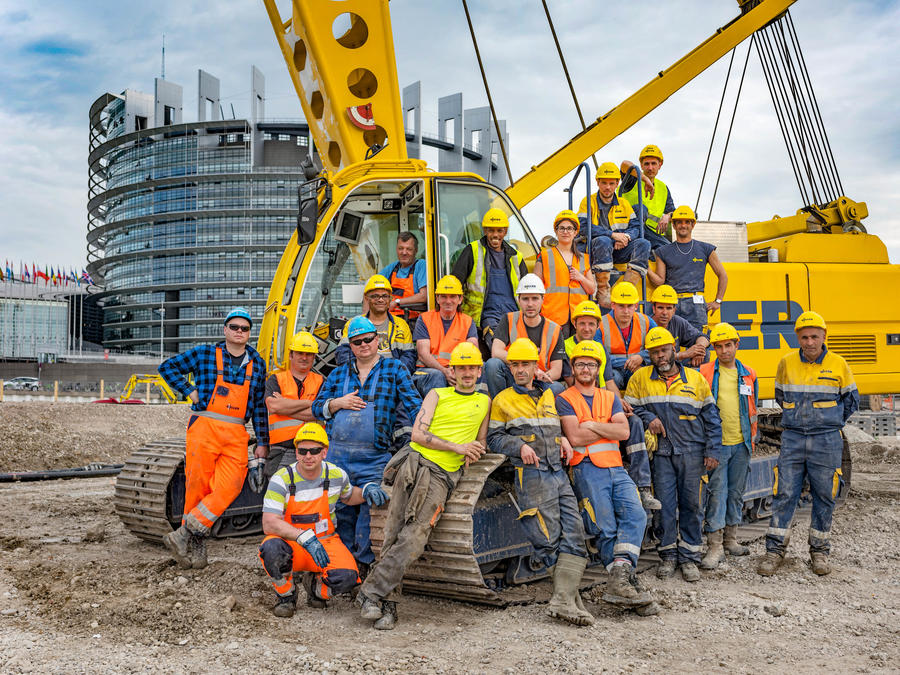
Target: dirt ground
{"points": [[80, 594]]}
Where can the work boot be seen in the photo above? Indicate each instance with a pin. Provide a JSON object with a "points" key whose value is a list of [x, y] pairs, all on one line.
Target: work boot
{"points": [[732, 546], [197, 547], [603, 298], [651, 608], [819, 562], [689, 572], [648, 501], [285, 605], [369, 608], [715, 554], [666, 569], [620, 591], [566, 578], [769, 564], [632, 277], [309, 585], [389, 618], [178, 543]]}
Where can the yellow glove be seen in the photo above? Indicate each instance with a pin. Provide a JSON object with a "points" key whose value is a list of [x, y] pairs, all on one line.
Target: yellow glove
{"points": [[650, 441]]}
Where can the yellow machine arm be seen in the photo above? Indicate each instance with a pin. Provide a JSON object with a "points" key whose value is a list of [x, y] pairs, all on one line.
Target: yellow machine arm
{"points": [[340, 56], [154, 379]]}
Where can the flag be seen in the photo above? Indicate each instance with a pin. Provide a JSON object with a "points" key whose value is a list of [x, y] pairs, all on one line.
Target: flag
{"points": [[9, 272], [86, 277], [25, 275]]}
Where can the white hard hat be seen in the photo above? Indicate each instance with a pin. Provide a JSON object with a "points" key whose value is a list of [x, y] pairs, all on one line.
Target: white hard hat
{"points": [[530, 283]]}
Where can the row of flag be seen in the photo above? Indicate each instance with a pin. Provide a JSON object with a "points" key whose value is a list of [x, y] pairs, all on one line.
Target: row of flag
{"points": [[56, 276]]}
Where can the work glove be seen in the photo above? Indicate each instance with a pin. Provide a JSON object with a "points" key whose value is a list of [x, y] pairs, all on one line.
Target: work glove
{"points": [[256, 474], [313, 546], [374, 495], [651, 441]]}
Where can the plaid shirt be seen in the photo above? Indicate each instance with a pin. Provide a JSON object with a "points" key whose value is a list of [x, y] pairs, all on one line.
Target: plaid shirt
{"points": [[394, 387], [201, 362]]}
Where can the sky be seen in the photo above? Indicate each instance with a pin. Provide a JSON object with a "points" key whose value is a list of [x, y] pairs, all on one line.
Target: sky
{"points": [[57, 57]]}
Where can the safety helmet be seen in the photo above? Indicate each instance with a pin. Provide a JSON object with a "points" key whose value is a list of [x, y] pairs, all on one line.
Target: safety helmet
{"points": [[495, 218], [359, 325], [304, 342], [722, 332], [651, 151], [624, 293], [608, 170], [566, 214], [466, 354], [377, 282], [448, 285], [239, 313], [588, 348], [530, 283], [522, 349], [809, 319], [684, 213], [657, 337], [311, 431], [587, 308], [664, 295]]}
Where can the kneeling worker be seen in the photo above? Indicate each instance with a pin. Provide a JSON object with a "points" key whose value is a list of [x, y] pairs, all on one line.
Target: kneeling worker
{"points": [[449, 431]]}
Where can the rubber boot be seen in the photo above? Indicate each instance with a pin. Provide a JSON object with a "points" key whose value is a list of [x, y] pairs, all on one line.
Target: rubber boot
{"points": [[389, 617], [666, 569], [715, 554], [178, 543], [308, 580], [566, 578], [648, 501], [603, 298], [198, 551], [819, 563], [619, 590], [731, 544], [285, 605], [769, 564], [689, 572], [632, 277]]}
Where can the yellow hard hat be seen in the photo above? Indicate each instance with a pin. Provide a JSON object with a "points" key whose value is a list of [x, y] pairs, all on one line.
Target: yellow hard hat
{"points": [[566, 214], [311, 431], [304, 342], [448, 285], [495, 218], [684, 213], [651, 151], [657, 337], [624, 293], [466, 354], [665, 295], [810, 319], [587, 308], [377, 282], [522, 349], [722, 332], [588, 348], [608, 170]]}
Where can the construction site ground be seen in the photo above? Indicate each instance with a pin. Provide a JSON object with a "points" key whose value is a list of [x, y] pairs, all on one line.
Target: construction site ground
{"points": [[78, 593]]}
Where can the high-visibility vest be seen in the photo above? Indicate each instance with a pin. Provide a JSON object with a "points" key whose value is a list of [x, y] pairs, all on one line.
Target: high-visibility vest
{"points": [[604, 453], [655, 207], [549, 337], [282, 428], [476, 284], [708, 371], [443, 343], [404, 287], [563, 294], [570, 343], [613, 341]]}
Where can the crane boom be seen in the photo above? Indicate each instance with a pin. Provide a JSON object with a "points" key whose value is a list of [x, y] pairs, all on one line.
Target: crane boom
{"points": [[644, 100]]}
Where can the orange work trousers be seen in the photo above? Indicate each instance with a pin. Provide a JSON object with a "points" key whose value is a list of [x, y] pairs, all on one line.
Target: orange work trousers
{"points": [[341, 565]]}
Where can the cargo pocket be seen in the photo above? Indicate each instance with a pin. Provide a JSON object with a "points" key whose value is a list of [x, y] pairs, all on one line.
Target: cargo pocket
{"points": [[534, 513]]}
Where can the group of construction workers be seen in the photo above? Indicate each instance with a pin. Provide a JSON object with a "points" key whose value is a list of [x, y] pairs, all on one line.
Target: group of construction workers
{"points": [[577, 394]]}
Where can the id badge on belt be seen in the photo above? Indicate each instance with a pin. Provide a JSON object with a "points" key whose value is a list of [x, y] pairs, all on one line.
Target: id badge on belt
{"points": [[699, 299]]}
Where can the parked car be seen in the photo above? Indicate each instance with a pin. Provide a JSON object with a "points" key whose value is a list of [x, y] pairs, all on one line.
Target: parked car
{"points": [[30, 383]]}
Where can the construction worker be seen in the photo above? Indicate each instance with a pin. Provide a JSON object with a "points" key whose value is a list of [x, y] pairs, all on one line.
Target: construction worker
{"points": [[736, 392], [594, 423], [615, 234], [394, 334], [657, 198], [298, 520], [565, 272], [524, 426], [489, 270], [817, 395], [289, 397], [450, 431], [675, 403], [437, 332], [407, 277], [526, 323], [360, 403], [682, 265], [690, 343], [230, 385], [623, 332], [586, 318]]}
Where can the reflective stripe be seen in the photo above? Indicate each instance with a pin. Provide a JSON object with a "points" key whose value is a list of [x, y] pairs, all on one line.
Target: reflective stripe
{"points": [[818, 534], [635, 447], [667, 547], [626, 548], [284, 423], [220, 417], [777, 531], [810, 388], [690, 547], [669, 398]]}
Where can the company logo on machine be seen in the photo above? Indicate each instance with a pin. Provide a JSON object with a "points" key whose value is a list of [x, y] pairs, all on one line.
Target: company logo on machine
{"points": [[770, 318], [361, 116]]}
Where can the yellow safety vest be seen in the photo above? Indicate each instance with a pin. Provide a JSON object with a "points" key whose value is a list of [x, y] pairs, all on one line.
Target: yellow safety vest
{"points": [[655, 207]]}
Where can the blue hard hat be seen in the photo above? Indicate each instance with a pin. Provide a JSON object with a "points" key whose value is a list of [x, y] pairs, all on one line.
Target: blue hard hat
{"points": [[239, 313], [359, 325]]}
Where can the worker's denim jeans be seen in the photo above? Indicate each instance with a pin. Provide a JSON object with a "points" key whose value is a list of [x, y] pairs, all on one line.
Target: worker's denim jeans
{"points": [[620, 374], [814, 457], [676, 483], [725, 492], [694, 313], [427, 379], [497, 376], [604, 254]]}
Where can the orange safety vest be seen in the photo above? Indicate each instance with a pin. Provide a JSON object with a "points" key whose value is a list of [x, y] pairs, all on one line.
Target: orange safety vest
{"points": [[614, 342], [403, 288], [708, 370], [314, 514], [563, 294], [604, 453], [549, 336], [281, 427], [443, 343]]}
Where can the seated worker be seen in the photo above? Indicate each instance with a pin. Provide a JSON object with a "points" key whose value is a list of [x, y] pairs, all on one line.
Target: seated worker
{"points": [[593, 421], [527, 323], [690, 343], [565, 272], [622, 333], [449, 432], [682, 265], [615, 234], [407, 277], [658, 204], [394, 335], [586, 318], [437, 332], [524, 426], [298, 520], [489, 270], [289, 397]]}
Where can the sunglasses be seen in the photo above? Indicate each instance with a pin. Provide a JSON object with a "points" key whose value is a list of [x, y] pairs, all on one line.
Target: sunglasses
{"points": [[303, 452], [362, 341], [237, 328]]}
